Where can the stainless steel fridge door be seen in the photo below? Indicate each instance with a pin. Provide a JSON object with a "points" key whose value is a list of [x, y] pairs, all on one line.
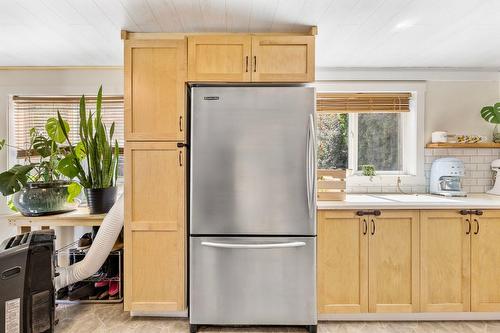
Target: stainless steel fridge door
{"points": [[253, 163], [253, 280]]}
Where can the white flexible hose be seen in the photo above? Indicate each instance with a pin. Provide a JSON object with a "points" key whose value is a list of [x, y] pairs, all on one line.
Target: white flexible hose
{"points": [[98, 252]]}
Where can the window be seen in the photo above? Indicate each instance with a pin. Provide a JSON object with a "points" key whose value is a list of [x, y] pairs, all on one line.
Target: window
{"points": [[356, 129], [33, 111]]}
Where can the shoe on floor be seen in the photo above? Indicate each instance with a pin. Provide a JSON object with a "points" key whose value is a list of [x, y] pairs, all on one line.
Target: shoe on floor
{"points": [[85, 241], [81, 290], [114, 288]]}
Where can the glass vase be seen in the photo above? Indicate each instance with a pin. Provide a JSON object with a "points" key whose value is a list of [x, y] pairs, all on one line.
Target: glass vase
{"points": [[496, 134]]}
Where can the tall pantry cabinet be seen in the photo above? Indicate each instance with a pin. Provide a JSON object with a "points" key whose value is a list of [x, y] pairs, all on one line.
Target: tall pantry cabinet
{"points": [[155, 175]]}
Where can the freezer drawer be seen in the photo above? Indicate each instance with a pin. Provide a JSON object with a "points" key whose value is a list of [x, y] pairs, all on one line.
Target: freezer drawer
{"points": [[253, 280]]}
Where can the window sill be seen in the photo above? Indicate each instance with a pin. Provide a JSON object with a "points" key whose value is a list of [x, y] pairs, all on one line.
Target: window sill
{"points": [[385, 180]]}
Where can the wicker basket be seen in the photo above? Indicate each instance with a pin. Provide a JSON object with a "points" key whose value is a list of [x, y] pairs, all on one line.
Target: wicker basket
{"points": [[331, 184]]}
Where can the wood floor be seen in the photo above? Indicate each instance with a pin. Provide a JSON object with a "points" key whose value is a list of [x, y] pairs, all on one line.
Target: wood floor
{"points": [[111, 318]]}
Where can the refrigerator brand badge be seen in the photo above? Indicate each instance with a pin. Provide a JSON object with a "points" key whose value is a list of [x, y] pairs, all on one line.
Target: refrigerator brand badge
{"points": [[211, 98]]}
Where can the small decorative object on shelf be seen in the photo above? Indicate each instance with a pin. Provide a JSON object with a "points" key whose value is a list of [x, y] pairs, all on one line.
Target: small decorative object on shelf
{"points": [[491, 114], [331, 184], [464, 138]]}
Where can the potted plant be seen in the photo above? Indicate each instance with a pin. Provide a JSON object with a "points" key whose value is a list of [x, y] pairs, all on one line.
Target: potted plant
{"points": [[38, 186], [491, 114], [93, 160]]}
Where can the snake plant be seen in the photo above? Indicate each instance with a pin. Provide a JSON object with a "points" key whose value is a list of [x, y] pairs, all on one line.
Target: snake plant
{"points": [[93, 160]]}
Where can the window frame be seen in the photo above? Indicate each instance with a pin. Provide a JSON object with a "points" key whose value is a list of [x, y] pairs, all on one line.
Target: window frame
{"points": [[412, 141]]}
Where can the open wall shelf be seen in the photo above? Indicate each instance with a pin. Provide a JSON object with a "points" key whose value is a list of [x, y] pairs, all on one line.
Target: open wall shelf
{"points": [[463, 145]]}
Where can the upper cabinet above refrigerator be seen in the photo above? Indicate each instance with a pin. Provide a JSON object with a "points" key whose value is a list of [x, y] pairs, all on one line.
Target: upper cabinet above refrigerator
{"points": [[251, 58]]}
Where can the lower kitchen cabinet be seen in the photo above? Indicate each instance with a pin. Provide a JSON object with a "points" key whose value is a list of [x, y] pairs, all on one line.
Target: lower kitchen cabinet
{"points": [[155, 236], [485, 261], [393, 261], [460, 261], [342, 262], [368, 263], [445, 261]]}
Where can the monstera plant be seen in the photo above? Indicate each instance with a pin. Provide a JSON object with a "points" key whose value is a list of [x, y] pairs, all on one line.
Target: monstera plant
{"points": [[491, 114], [37, 186]]}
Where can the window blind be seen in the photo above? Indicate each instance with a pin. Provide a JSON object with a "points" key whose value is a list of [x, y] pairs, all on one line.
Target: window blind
{"points": [[33, 112], [362, 102]]}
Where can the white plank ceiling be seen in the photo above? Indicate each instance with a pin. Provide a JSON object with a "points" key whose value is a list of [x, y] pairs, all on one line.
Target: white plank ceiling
{"points": [[352, 33]]}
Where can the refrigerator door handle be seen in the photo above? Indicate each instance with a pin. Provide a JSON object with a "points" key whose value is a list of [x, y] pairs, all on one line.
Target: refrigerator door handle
{"points": [[311, 144], [308, 168], [253, 246]]}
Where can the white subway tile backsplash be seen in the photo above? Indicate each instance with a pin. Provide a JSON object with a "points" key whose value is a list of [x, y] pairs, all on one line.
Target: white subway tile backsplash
{"points": [[455, 151], [440, 151], [486, 151], [477, 189], [478, 176], [483, 166]]}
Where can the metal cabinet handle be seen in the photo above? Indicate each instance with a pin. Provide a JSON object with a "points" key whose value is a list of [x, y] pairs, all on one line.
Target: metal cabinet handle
{"points": [[478, 212], [253, 246], [477, 227], [180, 123], [255, 64], [375, 212], [373, 227], [180, 157], [246, 64], [465, 212], [469, 228], [365, 227]]}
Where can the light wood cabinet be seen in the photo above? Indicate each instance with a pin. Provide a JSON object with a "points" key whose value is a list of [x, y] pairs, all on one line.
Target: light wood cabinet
{"points": [[445, 261], [393, 261], [368, 263], [155, 76], [485, 261], [342, 262], [155, 236], [251, 58], [219, 58], [283, 58]]}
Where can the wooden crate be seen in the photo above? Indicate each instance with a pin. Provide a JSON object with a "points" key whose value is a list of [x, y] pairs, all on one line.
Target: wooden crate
{"points": [[331, 184]]}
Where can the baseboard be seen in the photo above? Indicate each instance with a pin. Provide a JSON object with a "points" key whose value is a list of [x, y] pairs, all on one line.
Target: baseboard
{"points": [[419, 316], [169, 314]]}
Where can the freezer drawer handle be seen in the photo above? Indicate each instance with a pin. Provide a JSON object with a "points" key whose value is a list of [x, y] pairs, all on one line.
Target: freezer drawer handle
{"points": [[254, 246]]}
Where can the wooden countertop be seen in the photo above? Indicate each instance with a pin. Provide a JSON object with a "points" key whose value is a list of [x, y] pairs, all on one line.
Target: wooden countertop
{"points": [[78, 217]]}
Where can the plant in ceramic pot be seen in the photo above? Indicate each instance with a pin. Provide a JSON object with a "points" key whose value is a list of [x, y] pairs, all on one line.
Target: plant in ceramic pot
{"points": [[38, 187], [491, 114], [93, 160]]}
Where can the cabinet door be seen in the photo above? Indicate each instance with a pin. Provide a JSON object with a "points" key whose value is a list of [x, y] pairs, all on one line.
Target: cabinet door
{"points": [[393, 262], [445, 261], [342, 262], [485, 262], [283, 58], [155, 76], [154, 227], [219, 58]]}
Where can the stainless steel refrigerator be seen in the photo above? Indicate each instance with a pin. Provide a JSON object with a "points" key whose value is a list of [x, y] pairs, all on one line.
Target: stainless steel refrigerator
{"points": [[252, 206]]}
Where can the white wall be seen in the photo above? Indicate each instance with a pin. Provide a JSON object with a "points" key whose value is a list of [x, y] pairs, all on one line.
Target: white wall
{"points": [[454, 106], [49, 82]]}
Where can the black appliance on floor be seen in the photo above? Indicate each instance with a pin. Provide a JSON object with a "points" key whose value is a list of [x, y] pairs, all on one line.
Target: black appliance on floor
{"points": [[27, 299]]}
